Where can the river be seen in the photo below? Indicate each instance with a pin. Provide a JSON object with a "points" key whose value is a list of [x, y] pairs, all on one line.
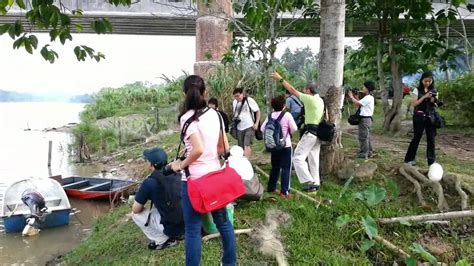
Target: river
{"points": [[24, 153]]}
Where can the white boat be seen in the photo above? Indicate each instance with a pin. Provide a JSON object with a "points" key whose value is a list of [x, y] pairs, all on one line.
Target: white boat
{"points": [[15, 207]]}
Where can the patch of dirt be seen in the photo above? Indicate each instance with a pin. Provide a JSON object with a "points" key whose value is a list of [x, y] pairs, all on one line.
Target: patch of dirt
{"points": [[456, 145], [438, 247]]}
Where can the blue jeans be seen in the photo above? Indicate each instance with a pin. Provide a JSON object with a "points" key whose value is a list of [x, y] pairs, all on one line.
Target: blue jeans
{"points": [[192, 232], [281, 160]]}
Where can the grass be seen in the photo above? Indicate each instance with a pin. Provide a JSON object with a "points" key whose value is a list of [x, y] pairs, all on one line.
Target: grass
{"points": [[310, 238]]}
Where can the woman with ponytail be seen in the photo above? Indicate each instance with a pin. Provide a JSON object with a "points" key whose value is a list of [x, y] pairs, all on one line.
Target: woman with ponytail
{"points": [[204, 143]]}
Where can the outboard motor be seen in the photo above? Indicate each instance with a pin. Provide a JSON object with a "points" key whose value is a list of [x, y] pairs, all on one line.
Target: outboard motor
{"points": [[38, 210]]}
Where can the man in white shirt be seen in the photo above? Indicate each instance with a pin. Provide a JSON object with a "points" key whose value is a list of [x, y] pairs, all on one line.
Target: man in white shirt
{"points": [[247, 114], [366, 105]]}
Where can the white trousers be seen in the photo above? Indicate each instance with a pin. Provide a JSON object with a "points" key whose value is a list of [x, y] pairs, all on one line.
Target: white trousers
{"points": [[154, 230], [308, 148]]}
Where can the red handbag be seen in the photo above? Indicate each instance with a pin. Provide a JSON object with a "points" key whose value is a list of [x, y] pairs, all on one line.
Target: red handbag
{"points": [[215, 190]]}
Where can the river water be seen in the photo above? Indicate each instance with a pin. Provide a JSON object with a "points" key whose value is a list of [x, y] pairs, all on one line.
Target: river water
{"points": [[24, 153]]}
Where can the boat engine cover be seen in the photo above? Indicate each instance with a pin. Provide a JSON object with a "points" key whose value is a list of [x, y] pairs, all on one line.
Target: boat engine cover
{"points": [[35, 201]]}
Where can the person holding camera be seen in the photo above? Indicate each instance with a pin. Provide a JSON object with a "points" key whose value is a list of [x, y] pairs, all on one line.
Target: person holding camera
{"points": [[424, 100], [366, 105], [163, 223], [204, 142], [246, 115]]}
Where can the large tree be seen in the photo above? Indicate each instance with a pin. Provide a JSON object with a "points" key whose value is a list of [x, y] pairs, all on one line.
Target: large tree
{"points": [[262, 28], [331, 65], [406, 42]]}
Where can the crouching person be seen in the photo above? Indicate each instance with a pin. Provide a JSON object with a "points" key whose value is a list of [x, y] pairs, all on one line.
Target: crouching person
{"points": [[253, 188], [163, 223]]}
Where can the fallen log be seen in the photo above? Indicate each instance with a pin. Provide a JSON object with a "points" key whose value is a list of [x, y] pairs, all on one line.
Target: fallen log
{"points": [[236, 232], [428, 217]]}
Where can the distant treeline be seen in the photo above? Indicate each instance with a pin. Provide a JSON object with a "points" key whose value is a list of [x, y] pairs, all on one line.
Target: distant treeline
{"points": [[13, 96]]}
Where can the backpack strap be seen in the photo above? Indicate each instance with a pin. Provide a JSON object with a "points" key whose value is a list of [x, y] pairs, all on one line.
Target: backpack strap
{"points": [[149, 215], [296, 101], [280, 116], [250, 110]]}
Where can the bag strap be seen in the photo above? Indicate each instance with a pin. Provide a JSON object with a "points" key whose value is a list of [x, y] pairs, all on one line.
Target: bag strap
{"points": [[280, 116], [185, 128], [250, 110], [241, 107], [296, 101], [149, 215], [221, 130]]}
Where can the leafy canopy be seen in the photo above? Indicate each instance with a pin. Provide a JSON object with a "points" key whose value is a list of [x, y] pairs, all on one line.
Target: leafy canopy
{"points": [[55, 18]]}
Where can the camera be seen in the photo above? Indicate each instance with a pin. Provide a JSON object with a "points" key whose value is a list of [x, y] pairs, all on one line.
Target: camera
{"points": [[167, 170], [434, 94], [236, 120]]}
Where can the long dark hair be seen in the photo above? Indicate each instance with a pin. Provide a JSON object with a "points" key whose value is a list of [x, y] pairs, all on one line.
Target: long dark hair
{"points": [[194, 89], [421, 87]]}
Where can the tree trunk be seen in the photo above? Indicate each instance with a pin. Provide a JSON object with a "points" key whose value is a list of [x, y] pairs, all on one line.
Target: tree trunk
{"points": [[212, 37], [447, 76], [331, 65], [392, 122], [381, 76], [466, 41]]}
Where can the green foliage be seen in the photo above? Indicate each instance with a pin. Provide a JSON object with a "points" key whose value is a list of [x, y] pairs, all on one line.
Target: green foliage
{"points": [[131, 98], [341, 221], [55, 18], [370, 226], [91, 134], [372, 196], [366, 245], [416, 42], [419, 250], [242, 73], [458, 98]]}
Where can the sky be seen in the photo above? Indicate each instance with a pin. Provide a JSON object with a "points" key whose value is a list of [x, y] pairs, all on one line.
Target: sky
{"points": [[129, 58]]}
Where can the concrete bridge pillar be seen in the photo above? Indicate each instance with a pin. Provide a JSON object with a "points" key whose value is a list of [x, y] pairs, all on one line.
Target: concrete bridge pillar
{"points": [[212, 37]]}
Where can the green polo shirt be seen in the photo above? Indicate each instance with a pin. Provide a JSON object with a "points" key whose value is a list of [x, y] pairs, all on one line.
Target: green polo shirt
{"points": [[313, 108]]}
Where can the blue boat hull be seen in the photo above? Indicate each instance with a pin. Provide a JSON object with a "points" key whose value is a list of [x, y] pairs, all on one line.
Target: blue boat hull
{"points": [[16, 223]]}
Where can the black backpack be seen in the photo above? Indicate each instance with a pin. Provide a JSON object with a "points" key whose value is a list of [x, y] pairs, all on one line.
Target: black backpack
{"points": [[170, 210], [273, 134], [326, 129]]}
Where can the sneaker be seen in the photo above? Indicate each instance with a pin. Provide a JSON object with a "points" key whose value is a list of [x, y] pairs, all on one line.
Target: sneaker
{"points": [[168, 243], [311, 188], [362, 156], [412, 163], [372, 154]]}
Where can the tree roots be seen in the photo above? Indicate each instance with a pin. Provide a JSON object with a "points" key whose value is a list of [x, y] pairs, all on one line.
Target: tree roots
{"points": [[419, 180]]}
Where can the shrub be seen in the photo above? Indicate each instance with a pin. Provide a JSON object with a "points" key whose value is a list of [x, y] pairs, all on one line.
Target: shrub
{"points": [[458, 98]]}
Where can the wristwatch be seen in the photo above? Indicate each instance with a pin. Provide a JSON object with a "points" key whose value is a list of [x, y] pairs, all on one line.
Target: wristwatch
{"points": [[281, 80]]}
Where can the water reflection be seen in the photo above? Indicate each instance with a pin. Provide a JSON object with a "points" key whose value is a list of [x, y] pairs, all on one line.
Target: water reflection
{"points": [[52, 242], [24, 153]]}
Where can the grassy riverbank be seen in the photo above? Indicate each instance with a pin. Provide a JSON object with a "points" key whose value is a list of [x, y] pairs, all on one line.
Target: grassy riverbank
{"points": [[312, 236]]}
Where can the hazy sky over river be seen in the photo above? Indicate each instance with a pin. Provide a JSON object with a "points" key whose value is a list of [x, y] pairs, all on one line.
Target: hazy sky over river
{"points": [[129, 58]]}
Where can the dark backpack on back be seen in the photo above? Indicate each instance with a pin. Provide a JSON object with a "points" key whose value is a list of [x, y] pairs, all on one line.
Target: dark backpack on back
{"points": [[273, 134], [171, 211]]}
